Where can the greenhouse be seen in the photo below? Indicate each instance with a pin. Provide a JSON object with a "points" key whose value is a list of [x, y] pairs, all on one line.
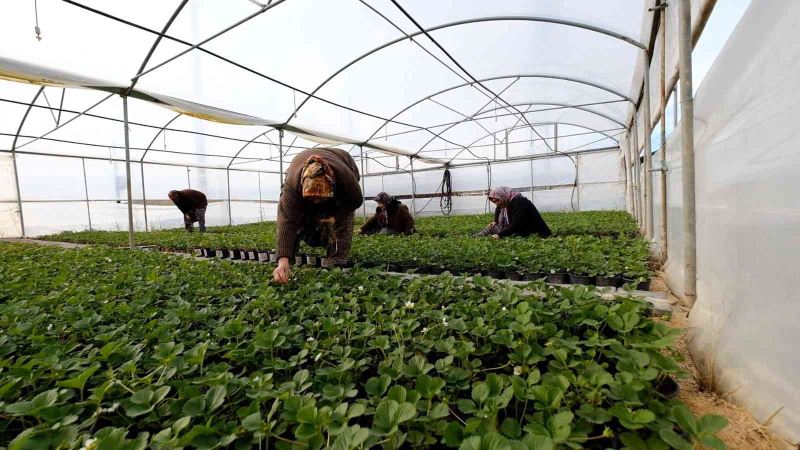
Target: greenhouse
{"points": [[600, 201]]}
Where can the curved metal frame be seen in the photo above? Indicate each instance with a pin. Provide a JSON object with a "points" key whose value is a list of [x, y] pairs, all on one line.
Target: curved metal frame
{"points": [[536, 124], [503, 77], [570, 23], [563, 105], [14, 157]]}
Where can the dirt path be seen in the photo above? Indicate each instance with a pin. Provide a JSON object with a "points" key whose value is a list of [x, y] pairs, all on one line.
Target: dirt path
{"points": [[41, 242], [743, 431]]}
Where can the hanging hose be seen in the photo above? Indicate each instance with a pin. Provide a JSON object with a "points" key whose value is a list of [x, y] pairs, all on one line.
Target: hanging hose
{"points": [[446, 190]]}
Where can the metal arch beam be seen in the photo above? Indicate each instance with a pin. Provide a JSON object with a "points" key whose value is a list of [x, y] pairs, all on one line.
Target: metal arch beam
{"points": [[537, 124], [563, 105], [161, 130], [247, 144], [14, 158], [503, 77], [171, 19], [570, 23]]}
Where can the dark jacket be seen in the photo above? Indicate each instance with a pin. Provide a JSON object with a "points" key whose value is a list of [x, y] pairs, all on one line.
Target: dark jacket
{"points": [[399, 218], [294, 212], [524, 219], [189, 201]]}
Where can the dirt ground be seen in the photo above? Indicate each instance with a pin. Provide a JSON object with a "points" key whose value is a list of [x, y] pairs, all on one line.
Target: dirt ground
{"points": [[743, 431]]}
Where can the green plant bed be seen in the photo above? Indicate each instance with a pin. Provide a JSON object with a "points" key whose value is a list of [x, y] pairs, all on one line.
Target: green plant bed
{"points": [[112, 349]]}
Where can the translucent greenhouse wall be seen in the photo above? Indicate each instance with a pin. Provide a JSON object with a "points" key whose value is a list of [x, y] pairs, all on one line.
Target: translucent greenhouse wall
{"points": [[744, 324], [60, 200]]}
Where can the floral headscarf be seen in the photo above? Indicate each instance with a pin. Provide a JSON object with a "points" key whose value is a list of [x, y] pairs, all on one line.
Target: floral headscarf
{"points": [[318, 179], [504, 194], [383, 215]]}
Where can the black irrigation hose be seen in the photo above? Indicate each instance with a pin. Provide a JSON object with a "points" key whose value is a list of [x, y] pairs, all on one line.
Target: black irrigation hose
{"points": [[446, 189]]}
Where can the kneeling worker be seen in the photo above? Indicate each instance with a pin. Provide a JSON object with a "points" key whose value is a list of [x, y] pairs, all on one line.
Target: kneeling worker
{"points": [[317, 205], [515, 215], [391, 217], [193, 205]]}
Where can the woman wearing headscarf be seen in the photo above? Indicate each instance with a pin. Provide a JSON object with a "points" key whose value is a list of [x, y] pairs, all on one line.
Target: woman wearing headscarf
{"points": [[318, 199], [515, 215], [193, 205], [391, 217]]}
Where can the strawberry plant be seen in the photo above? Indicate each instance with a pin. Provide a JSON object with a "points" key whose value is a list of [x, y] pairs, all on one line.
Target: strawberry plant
{"points": [[104, 348]]}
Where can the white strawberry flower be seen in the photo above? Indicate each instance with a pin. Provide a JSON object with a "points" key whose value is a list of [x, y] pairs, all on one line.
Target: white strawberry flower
{"points": [[409, 304], [517, 370], [89, 444]]}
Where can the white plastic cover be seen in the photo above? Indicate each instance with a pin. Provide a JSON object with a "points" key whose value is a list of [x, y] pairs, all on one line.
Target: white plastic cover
{"points": [[745, 320]]}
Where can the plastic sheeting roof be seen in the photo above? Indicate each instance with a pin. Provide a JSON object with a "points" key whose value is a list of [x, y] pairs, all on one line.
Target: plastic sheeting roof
{"points": [[442, 80]]}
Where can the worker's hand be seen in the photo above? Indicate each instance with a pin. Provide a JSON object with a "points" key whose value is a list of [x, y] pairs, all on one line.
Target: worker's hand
{"points": [[327, 221], [281, 273], [495, 236]]}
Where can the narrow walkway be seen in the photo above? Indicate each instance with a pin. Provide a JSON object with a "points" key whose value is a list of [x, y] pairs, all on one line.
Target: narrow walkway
{"points": [[41, 242]]}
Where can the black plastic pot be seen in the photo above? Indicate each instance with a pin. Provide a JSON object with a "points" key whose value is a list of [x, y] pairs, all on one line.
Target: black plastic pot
{"points": [[436, 270], [514, 276], [347, 264], [273, 257], [252, 255], [496, 274], [423, 270], [581, 279], [223, 253], [327, 263], [234, 254], [311, 260], [556, 278], [299, 258], [667, 387], [533, 276], [405, 268], [244, 255], [263, 256], [199, 252], [609, 281], [209, 252], [643, 285], [392, 268]]}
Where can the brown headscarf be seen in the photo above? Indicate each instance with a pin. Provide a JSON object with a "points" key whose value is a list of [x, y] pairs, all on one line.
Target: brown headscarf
{"points": [[318, 179]]}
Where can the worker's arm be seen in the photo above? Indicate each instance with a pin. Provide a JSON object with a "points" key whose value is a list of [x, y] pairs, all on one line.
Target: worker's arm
{"points": [[371, 225], [516, 221], [290, 216]]}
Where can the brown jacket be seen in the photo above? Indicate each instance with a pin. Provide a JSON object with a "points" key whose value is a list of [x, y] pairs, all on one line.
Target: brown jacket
{"points": [[294, 212], [190, 200], [399, 218]]}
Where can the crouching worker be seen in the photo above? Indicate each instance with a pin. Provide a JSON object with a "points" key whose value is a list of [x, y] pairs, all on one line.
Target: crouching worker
{"points": [[391, 217], [317, 206], [515, 215], [193, 205]]}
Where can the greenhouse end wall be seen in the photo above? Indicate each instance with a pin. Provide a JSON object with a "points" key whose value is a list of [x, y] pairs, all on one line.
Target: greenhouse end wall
{"points": [[744, 325]]}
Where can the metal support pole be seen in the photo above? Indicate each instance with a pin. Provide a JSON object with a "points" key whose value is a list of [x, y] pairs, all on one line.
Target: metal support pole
{"points": [[86, 193], [413, 189], [230, 214], [648, 153], [280, 154], [531, 179], [578, 180], [626, 157], [260, 209], [144, 197], [488, 184], [507, 132], [687, 151], [363, 183], [663, 168], [128, 170], [555, 137], [638, 172]]}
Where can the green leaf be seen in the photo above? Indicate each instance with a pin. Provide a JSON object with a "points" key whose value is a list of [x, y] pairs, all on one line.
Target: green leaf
{"points": [[714, 442], [350, 438], [24, 408], [712, 423], [685, 419], [215, 397], [79, 381], [511, 428], [390, 414], [633, 442], [480, 392], [538, 442], [453, 435], [377, 386], [674, 440]]}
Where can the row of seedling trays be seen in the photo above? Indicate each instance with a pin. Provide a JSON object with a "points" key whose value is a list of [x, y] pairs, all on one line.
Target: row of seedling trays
{"points": [[301, 259]]}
